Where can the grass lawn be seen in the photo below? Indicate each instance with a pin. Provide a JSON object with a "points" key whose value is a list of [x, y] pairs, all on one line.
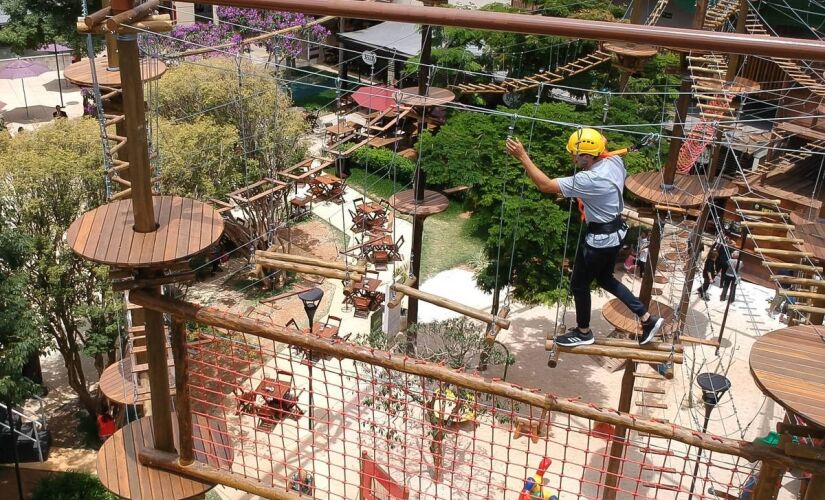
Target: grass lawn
{"points": [[448, 240]]}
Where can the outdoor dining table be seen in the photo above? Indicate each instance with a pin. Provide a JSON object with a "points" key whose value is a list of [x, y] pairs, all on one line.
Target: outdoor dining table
{"points": [[338, 130], [371, 209], [271, 389], [326, 186]]}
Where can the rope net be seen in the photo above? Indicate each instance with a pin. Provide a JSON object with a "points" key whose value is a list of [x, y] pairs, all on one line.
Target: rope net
{"points": [[337, 428]]}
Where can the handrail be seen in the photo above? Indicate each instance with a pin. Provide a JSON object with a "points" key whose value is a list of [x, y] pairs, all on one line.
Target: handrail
{"points": [[36, 425]]}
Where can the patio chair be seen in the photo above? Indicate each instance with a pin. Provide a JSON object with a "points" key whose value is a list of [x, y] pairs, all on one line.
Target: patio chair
{"points": [[244, 401]]}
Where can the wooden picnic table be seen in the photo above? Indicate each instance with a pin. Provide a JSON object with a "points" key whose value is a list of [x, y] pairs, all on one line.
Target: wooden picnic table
{"points": [[326, 186], [322, 330], [371, 209], [272, 389], [366, 286], [337, 130], [788, 365]]}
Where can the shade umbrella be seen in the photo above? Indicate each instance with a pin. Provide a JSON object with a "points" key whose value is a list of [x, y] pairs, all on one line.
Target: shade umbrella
{"points": [[21, 69], [377, 98], [57, 48]]}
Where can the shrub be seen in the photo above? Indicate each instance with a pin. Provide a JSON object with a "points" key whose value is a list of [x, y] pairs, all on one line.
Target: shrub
{"points": [[382, 161], [72, 485]]}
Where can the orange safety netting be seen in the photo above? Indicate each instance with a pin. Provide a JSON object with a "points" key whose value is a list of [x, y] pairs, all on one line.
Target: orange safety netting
{"points": [[336, 428], [699, 137]]}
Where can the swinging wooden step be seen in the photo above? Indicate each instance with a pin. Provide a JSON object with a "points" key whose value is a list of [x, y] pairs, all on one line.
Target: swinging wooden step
{"points": [[765, 225], [794, 267], [651, 404], [798, 281], [651, 376], [804, 295], [785, 253], [649, 390], [687, 339], [778, 239], [639, 353], [657, 451], [808, 309], [762, 213], [659, 468], [761, 201]]}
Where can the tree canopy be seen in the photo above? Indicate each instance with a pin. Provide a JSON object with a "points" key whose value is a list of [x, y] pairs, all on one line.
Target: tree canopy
{"points": [[19, 327], [34, 23]]}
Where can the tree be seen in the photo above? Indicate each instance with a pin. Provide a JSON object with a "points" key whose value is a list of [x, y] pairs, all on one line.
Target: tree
{"points": [[536, 222], [34, 23], [199, 158], [19, 327], [242, 95], [49, 178]]}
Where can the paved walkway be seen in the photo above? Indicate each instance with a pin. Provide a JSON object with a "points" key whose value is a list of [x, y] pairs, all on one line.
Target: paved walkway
{"points": [[43, 95]]}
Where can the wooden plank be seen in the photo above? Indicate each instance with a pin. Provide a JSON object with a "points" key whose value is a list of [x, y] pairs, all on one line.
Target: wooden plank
{"points": [[781, 239], [164, 212], [105, 237], [185, 224], [195, 228], [788, 265], [147, 248], [117, 233], [171, 244], [94, 230], [798, 281]]}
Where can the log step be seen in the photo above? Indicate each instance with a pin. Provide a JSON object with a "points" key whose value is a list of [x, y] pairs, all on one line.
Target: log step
{"points": [[651, 376], [787, 265], [649, 390], [655, 404]]}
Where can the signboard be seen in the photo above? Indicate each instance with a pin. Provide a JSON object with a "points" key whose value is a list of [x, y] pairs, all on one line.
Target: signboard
{"points": [[369, 57]]}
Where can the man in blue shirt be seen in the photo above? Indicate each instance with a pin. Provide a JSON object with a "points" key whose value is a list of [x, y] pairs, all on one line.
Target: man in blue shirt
{"points": [[599, 184]]}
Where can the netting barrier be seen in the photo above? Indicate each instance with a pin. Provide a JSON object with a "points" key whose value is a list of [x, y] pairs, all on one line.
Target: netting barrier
{"points": [[335, 420]]}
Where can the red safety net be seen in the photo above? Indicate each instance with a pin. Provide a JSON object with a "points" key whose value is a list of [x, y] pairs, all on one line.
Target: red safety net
{"points": [[699, 137], [336, 428]]}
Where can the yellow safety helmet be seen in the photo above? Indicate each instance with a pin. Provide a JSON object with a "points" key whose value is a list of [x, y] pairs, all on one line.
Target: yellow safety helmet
{"points": [[586, 141]]}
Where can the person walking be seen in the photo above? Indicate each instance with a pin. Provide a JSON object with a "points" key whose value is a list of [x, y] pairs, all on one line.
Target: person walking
{"points": [[734, 267], [599, 185], [708, 273]]}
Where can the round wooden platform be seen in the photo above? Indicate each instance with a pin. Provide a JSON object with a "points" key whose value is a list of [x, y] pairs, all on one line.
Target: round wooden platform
{"points": [[788, 365], [668, 267], [116, 383], [433, 203], [662, 280], [618, 315], [678, 246], [435, 97], [630, 49], [80, 73], [687, 190], [673, 256], [121, 473], [105, 235], [813, 236]]}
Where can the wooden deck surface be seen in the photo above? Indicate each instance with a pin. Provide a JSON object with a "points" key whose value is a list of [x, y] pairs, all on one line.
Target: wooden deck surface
{"points": [[116, 383], [80, 73], [105, 235], [433, 203], [435, 96], [122, 474], [618, 315], [687, 191], [788, 365]]}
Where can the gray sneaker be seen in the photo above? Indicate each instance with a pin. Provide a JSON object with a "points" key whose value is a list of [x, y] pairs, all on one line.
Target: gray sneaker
{"points": [[575, 337]]}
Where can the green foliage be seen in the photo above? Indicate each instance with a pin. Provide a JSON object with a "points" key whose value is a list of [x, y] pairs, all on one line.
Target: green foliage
{"points": [[248, 98], [71, 486], [469, 150], [34, 23], [19, 328], [48, 178], [383, 161], [199, 158], [456, 342]]}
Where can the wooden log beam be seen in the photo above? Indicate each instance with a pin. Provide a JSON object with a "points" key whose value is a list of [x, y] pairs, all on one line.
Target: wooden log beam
{"points": [[196, 470], [632, 344], [778, 239], [798, 281], [765, 225], [311, 261], [97, 16], [761, 201], [132, 15], [789, 265], [119, 286], [453, 306], [183, 407], [399, 296], [637, 354], [494, 329], [222, 319], [785, 253], [307, 269]]}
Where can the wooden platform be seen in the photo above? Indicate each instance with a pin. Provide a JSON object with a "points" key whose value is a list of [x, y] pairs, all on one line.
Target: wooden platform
{"points": [[687, 190], [630, 49], [116, 383], [618, 315], [122, 474], [436, 96], [80, 73], [788, 365], [433, 203], [105, 235], [813, 235]]}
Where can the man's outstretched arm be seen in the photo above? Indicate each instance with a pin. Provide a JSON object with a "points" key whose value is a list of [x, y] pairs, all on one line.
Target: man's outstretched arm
{"points": [[539, 178]]}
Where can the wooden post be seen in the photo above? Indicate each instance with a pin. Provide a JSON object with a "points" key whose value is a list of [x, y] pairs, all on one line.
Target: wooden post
{"points": [[415, 270], [159, 379], [182, 403], [136, 145], [816, 488], [741, 26], [619, 434], [767, 486]]}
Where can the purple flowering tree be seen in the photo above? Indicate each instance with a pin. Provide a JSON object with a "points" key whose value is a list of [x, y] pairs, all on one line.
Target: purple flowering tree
{"points": [[236, 24]]}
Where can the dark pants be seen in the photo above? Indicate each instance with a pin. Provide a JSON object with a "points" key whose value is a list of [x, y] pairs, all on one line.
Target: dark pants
{"points": [[598, 264], [707, 279], [641, 265], [728, 282]]}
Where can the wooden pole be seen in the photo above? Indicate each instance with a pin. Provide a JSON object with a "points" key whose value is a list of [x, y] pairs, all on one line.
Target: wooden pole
{"points": [[222, 319], [399, 296], [769, 482], [182, 403], [307, 269], [158, 378], [414, 293], [134, 14], [301, 259], [136, 146], [196, 470]]}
